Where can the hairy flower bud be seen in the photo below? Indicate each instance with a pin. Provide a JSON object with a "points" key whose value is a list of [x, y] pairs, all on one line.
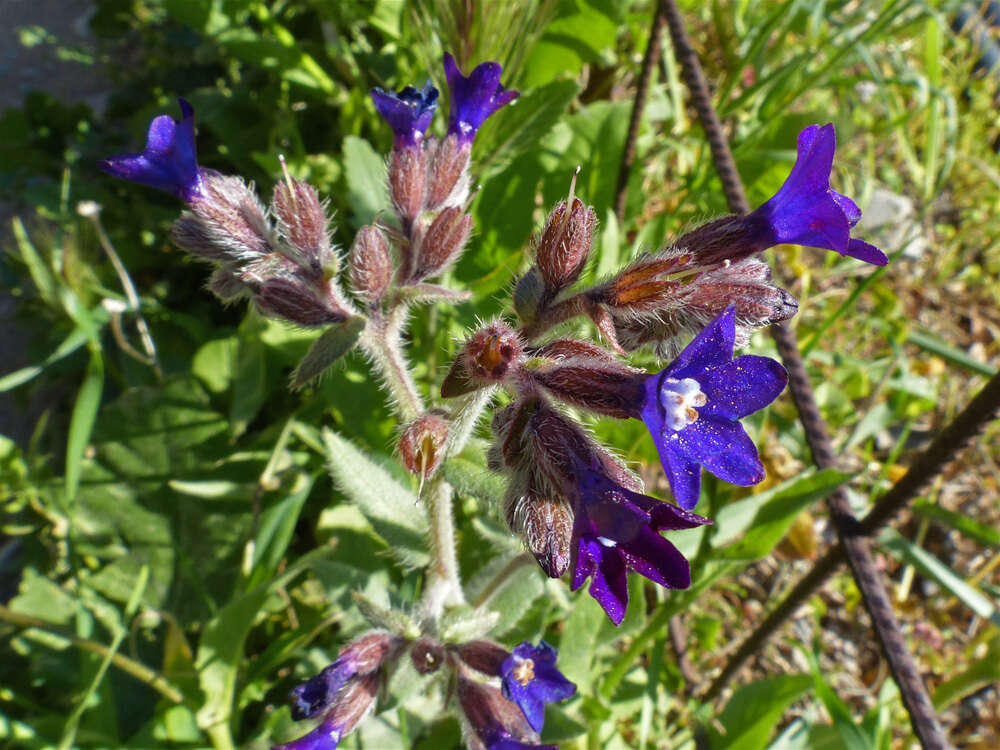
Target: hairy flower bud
{"points": [[483, 656], [447, 172], [422, 443], [492, 717], [299, 302], [605, 387], [442, 244], [370, 264], [303, 223], [227, 223], [407, 181], [643, 287], [427, 656], [546, 525], [565, 243]]}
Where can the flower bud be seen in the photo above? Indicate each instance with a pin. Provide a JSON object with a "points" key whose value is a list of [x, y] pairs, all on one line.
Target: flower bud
{"points": [[298, 301], [226, 223], [643, 286], [565, 243], [447, 172], [601, 386], [407, 181], [561, 349], [442, 244], [427, 656], [483, 656], [370, 264], [546, 525], [491, 716], [303, 223], [422, 444], [730, 238]]}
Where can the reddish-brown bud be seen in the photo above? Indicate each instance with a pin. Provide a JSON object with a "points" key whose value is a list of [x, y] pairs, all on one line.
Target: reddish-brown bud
{"points": [[353, 702], [367, 653], [483, 656], [422, 444], [488, 713], [491, 353], [427, 656], [565, 243], [370, 264], [408, 181], [568, 348], [447, 172], [546, 525], [644, 287], [227, 223], [441, 245], [509, 425], [731, 238], [601, 386], [303, 223], [298, 301]]}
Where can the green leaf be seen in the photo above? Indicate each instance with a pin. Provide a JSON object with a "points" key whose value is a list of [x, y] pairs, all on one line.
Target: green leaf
{"points": [[215, 363], [530, 118], [579, 640], [82, 422], [276, 528], [474, 480], [70, 344], [250, 387], [220, 649], [364, 170], [333, 344], [392, 509], [982, 533], [765, 518], [850, 732], [905, 550], [751, 714], [981, 672], [45, 282]]}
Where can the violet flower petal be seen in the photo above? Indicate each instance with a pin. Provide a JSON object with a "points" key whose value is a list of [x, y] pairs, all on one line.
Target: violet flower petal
{"points": [[169, 161], [724, 448], [324, 737], [474, 98], [530, 679], [652, 556], [409, 112], [743, 386]]}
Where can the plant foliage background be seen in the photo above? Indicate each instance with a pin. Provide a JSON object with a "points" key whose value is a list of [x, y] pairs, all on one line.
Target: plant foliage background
{"points": [[175, 556]]}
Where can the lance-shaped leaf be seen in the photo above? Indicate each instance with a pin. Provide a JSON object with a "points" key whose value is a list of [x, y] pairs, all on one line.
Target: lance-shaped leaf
{"points": [[335, 342], [392, 509]]}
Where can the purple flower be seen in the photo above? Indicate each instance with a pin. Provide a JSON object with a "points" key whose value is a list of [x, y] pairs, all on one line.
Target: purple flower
{"points": [[168, 162], [408, 112], [693, 407], [324, 737], [475, 98], [530, 679], [807, 211], [616, 530], [313, 696], [503, 741]]}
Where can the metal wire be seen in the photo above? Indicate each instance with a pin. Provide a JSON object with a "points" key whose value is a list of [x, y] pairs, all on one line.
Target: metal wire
{"points": [[853, 541]]}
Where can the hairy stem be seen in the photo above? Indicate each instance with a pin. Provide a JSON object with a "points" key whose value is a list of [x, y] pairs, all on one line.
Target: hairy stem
{"points": [[381, 341], [444, 588]]}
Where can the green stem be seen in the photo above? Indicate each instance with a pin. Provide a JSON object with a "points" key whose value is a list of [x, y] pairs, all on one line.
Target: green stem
{"points": [[380, 340], [444, 587]]}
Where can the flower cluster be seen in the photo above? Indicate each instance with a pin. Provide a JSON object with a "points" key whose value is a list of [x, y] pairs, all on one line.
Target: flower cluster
{"points": [[576, 506]]}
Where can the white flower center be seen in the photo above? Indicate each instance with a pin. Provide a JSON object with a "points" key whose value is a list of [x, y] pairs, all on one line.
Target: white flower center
{"points": [[605, 541], [680, 399]]}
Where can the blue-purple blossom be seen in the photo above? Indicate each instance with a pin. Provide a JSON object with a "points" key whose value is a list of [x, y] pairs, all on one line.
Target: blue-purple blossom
{"points": [[474, 98], [530, 679], [168, 162], [408, 112], [807, 211], [617, 530], [503, 741], [313, 696], [693, 407], [326, 736]]}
